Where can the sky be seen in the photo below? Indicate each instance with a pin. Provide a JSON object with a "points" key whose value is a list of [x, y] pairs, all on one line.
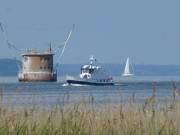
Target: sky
{"points": [[147, 31]]}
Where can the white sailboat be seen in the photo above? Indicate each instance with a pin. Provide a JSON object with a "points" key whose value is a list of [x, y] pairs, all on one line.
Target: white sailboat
{"points": [[126, 72]]}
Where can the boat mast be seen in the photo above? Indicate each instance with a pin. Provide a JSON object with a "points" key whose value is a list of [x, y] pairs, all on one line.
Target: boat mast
{"points": [[126, 70]]}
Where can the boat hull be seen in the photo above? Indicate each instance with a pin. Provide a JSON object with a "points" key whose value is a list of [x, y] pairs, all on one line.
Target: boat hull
{"points": [[127, 75], [89, 83]]}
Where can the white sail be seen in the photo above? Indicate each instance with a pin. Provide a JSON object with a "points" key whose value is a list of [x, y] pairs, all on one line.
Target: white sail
{"points": [[127, 69]]}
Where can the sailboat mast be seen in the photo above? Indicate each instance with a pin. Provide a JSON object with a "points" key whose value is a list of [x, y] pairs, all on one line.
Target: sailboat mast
{"points": [[126, 69]]}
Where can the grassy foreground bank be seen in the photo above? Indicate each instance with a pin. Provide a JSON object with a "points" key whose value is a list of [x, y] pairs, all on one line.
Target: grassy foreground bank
{"points": [[130, 118], [81, 119]]}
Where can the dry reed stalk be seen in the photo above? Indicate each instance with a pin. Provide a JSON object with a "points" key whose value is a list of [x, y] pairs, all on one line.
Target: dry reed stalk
{"points": [[85, 118]]}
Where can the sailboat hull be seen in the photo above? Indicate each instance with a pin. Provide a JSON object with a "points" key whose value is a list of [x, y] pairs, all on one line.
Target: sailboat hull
{"points": [[127, 75]]}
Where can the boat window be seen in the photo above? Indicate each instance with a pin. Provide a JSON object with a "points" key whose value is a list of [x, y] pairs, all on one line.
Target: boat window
{"points": [[85, 71], [91, 71]]}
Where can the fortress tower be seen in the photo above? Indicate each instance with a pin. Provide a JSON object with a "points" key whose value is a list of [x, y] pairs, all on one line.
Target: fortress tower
{"points": [[37, 67]]}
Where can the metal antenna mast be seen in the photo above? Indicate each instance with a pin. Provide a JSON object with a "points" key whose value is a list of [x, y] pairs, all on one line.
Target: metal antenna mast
{"points": [[65, 43]]}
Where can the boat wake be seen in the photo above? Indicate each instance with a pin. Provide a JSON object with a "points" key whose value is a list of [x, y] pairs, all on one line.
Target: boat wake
{"points": [[119, 84], [74, 85]]}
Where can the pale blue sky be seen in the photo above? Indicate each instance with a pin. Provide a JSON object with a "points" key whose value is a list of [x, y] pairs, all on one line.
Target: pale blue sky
{"points": [[148, 31]]}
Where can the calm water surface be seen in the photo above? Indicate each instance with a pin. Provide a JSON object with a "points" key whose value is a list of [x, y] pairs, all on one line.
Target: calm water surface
{"points": [[50, 94]]}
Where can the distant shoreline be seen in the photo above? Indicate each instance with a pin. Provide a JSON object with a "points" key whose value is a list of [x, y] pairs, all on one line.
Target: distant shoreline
{"points": [[10, 67]]}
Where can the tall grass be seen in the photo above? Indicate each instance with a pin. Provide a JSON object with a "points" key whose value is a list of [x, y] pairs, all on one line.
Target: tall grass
{"points": [[149, 118]]}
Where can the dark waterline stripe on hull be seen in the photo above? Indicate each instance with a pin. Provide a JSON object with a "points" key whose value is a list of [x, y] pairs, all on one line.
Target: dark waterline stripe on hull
{"points": [[88, 83]]}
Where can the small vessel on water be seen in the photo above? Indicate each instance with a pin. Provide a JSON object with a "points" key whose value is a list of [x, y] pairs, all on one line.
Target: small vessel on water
{"points": [[127, 72], [92, 74]]}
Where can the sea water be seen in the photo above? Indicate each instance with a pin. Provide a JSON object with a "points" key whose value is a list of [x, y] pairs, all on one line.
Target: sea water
{"points": [[49, 94]]}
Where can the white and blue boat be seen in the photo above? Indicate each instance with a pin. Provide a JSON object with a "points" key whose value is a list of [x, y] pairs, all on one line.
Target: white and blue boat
{"points": [[92, 74]]}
